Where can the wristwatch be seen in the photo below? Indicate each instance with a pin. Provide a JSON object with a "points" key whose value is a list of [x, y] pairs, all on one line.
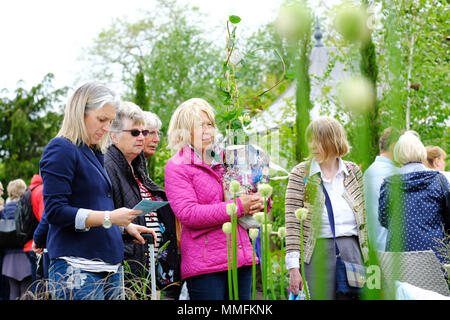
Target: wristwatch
{"points": [[106, 221]]}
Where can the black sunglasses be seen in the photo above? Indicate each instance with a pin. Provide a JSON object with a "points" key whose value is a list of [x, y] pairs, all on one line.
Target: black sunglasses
{"points": [[136, 132]]}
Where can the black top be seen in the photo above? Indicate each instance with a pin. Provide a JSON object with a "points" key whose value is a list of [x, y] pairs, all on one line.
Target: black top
{"points": [[126, 194]]}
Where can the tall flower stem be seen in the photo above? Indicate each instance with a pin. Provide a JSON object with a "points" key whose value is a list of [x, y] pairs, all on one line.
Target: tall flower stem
{"points": [[263, 262], [266, 247], [282, 269], [254, 271], [230, 285], [305, 285], [234, 252]]}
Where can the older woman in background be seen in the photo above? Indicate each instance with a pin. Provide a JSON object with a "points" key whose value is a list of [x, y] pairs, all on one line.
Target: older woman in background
{"points": [[153, 125], [412, 203], [193, 180], [125, 164], [325, 175], [16, 265]]}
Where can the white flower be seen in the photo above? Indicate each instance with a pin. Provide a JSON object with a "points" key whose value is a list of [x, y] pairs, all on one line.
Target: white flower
{"points": [[294, 21], [269, 228], [301, 213], [282, 232], [244, 118], [231, 209], [265, 190], [235, 186], [351, 22], [357, 94], [259, 216], [253, 233], [227, 227]]}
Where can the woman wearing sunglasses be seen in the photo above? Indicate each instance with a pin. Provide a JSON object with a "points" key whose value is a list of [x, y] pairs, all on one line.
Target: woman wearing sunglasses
{"points": [[126, 167], [84, 239]]}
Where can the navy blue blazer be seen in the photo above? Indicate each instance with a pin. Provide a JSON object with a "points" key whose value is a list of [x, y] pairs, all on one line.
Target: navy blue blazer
{"points": [[74, 177]]}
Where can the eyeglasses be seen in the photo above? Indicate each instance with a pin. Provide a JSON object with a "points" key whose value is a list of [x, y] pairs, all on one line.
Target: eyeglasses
{"points": [[136, 132], [154, 133], [205, 126]]}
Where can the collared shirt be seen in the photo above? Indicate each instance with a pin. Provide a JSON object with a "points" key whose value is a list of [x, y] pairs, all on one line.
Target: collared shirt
{"points": [[344, 218], [373, 178]]}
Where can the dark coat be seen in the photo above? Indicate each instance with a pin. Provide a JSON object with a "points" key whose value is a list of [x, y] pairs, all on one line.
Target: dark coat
{"points": [[126, 194], [420, 225]]}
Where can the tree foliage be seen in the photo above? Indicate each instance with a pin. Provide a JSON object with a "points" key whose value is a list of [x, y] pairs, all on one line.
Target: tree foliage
{"points": [[28, 121], [166, 50], [420, 48]]}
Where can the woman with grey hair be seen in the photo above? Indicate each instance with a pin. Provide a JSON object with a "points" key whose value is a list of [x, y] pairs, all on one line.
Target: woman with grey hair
{"points": [[84, 239], [153, 125], [418, 193], [126, 167]]}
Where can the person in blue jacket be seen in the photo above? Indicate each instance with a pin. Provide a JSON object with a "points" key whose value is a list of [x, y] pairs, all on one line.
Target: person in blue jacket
{"points": [[411, 204], [84, 240]]}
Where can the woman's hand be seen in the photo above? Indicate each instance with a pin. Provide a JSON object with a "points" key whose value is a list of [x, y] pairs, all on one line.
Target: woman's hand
{"points": [[36, 249], [123, 216], [295, 280], [135, 230], [252, 203]]}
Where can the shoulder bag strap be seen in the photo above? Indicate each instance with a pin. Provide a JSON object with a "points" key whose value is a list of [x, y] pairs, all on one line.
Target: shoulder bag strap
{"points": [[330, 217]]}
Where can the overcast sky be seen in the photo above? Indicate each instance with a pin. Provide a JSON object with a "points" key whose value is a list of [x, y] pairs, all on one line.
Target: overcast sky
{"points": [[42, 36]]}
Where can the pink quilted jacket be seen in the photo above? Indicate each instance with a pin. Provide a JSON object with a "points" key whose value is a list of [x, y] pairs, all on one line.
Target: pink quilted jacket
{"points": [[195, 192]]}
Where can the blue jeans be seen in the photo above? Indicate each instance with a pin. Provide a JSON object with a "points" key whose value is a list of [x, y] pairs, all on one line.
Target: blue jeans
{"points": [[69, 283], [214, 286]]}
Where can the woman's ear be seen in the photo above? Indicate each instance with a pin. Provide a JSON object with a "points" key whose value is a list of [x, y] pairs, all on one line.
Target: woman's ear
{"points": [[114, 137]]}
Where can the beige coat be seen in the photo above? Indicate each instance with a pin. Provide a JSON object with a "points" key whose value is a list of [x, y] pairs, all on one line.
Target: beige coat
{"points": [[313, 198]]}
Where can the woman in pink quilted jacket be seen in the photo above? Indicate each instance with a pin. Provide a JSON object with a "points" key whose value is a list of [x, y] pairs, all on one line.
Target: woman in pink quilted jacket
{"points": [[193, 183]]}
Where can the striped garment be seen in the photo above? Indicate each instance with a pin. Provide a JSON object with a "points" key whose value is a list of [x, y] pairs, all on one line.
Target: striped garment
{"points": [[297, 196], [151, 218]]}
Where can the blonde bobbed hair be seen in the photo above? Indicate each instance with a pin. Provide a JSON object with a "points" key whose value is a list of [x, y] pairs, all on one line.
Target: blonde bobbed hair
{"points": [[184, 119], [326, 139], [15, 189], [90, 96], [409, 148], [434, 152]]}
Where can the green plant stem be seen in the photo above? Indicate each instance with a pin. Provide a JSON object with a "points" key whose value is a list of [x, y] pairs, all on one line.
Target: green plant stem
{"points": [[230, 286], [266, 247], [305, 285], [263, 263], [234, 253], [254, 272], [272, 291], [282, 270]]}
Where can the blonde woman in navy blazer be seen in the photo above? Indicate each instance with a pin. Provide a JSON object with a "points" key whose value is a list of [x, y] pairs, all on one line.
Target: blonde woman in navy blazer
{"points": [[85, 232]]}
